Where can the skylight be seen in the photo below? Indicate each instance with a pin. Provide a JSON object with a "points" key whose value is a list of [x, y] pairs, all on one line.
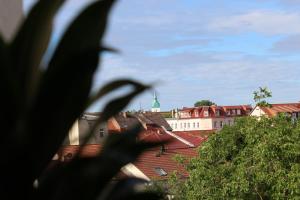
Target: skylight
{"points": [[160, 171]]}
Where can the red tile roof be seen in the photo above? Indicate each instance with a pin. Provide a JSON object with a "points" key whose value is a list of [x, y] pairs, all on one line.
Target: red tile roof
{"points": [[281, 108], [150, 160]]}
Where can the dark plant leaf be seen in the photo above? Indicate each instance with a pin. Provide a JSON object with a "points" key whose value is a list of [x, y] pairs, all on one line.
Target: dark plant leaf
{"points": [[112, 86], [87, 178], [30, 44], [124, 188], [84, 33], [59, 103], [118, 104], [66, 84]]}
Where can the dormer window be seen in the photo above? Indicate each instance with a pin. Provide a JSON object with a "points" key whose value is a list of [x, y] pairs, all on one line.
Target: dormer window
{"points": [[228, 112], [101, 132], [206, 113], [238, 112], [196, 113], [217, 113], [160, 171], [233, 112]]}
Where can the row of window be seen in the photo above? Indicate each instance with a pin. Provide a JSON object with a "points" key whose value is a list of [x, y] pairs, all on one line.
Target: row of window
{"points": [[221, 123], [206, 113], [188, 125], [185, 125]]}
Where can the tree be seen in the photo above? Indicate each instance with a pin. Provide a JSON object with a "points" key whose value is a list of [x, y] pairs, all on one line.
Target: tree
{"points": [[254, 159], [40, 104], [204, 103], [261, 95]]}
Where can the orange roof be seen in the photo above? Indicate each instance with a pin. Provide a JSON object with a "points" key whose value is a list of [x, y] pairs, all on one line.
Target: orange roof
{"points": [[281, 108]]}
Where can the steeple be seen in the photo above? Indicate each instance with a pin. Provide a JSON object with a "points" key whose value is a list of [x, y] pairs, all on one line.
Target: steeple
{"points": [[155, 104]]}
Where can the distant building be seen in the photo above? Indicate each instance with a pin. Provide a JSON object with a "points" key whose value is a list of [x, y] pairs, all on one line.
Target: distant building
{"points": [[206, 117], [83, 127], [155, 104], [156, 163], [291, 109]]}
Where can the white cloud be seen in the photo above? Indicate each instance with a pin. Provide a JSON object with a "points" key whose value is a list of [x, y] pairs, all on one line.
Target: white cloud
{"points": [[261, 21], [290, 44]]}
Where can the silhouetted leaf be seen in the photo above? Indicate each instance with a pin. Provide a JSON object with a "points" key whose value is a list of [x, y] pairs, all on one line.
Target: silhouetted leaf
{"points": [[63, 99], [112, 86], [85, 32], [66, 84], [123, 189], [118, 104], [30, 44]]}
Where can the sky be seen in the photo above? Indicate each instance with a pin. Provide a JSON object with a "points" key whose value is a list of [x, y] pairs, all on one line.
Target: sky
{"points": [[221, 50]]}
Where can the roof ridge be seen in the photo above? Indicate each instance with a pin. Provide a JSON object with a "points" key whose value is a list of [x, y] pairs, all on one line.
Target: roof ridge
{"points": [[178, 137]]}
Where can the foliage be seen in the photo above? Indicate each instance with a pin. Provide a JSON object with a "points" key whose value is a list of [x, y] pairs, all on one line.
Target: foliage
{"points": [[261, 95], [166, 114], [254, 159], [204, 103], [40, 104]]}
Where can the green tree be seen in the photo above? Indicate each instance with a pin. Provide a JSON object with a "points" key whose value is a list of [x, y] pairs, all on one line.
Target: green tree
{"points": [[204, 103], [254, 159], [261, 95], [40, 104]]}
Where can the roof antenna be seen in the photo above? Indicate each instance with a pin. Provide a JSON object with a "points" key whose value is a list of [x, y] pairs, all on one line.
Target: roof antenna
{"points": [[140, 107]]}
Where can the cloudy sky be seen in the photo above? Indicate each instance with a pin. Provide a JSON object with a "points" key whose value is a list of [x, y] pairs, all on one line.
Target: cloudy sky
{"points": [[220, 50]]}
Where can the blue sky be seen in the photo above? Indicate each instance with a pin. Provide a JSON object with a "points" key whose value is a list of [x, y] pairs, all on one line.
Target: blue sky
{"points": [[220, 50]]}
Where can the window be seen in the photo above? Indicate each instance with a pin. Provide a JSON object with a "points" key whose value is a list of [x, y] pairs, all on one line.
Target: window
{"points": [[228, 112], [221, 124], [238, 111], [194, 124], [197, 124], [188, 125], [184, 125], [217, 113], [160, 171], [180, 125], [215, 124], [229, 122], [101, 132], [233, 112], [176, 126], [196, 114], [206, 113]]}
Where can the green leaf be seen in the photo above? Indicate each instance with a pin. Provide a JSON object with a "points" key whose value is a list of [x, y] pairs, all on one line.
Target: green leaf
{"points": [[30, 44]]}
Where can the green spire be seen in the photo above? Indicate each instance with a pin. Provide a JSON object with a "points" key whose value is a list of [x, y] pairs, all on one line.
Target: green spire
{"points": [[155, 102]]}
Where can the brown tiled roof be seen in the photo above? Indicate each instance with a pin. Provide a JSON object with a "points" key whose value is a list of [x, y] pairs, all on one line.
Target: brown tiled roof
{"points": [[281, 108], [126, 120]]}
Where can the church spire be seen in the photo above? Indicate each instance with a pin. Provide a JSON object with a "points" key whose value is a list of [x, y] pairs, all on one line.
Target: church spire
{"points": [[155, 104]]}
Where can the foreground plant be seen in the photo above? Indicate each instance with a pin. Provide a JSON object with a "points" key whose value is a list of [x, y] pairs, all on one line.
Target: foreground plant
{"points": [[40, 104]]}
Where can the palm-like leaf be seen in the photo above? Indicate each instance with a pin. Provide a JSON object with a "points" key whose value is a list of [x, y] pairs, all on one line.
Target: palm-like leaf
{"points": [[42, 105]]}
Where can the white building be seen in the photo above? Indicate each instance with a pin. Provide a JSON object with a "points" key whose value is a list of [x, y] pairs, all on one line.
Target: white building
{"points": [[206, 117]]}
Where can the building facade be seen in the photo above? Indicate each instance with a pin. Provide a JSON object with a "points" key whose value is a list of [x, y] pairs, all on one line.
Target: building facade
{"points": [[206, 117], [85, 126]]}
